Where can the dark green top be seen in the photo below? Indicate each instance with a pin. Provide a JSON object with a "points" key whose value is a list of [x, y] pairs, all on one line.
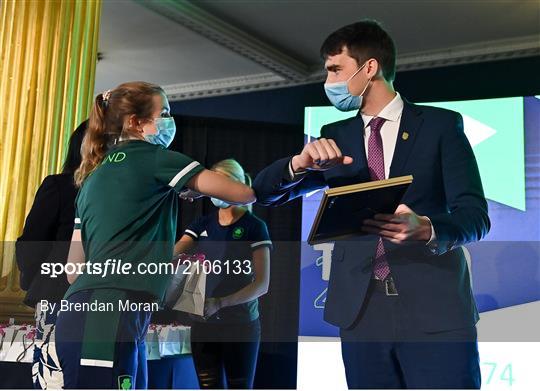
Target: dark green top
{"points": [[127, 210]]}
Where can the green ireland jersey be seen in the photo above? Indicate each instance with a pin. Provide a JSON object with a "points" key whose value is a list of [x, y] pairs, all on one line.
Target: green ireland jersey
{"points": [[127, 211]]}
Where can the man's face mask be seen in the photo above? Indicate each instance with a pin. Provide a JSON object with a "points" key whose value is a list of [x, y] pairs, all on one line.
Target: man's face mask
{"points": [[165, 131], [339, 95]]}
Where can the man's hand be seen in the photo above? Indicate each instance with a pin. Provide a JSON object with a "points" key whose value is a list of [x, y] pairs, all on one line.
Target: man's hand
{"points": [[403, 226], [319, 155]]}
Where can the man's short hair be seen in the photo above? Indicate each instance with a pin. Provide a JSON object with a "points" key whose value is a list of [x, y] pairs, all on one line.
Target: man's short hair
{"points": [[364, 40]]}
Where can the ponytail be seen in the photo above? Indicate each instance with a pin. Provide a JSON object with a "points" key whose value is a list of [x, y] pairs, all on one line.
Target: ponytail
{"points": [[94, 144]]}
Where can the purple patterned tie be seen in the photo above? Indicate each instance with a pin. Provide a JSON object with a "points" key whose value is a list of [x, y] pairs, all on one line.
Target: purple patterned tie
{"points": [[381, 269]]}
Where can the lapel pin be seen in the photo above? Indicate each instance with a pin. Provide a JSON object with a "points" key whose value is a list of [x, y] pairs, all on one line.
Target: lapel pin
{"points": [[405, 136]]}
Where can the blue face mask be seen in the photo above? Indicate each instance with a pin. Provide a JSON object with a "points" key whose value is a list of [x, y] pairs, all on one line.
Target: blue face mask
{"points": [[339, 95], [165, 131], [219, 203]]}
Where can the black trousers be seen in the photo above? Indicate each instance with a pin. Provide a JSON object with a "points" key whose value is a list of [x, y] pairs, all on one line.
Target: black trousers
{"points": [[225, 355], [382, 350]]}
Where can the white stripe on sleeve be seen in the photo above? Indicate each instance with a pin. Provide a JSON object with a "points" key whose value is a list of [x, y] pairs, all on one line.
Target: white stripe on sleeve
{"points": [[188, 231], [182, 173], [256, 244]]}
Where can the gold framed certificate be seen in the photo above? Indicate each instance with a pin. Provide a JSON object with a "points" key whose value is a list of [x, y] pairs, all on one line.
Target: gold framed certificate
{"points": [[342, 209]]}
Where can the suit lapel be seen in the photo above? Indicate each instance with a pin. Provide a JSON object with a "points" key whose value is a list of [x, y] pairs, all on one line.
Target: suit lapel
{"points": [[353, 140], [409, 127], [350, 139]]}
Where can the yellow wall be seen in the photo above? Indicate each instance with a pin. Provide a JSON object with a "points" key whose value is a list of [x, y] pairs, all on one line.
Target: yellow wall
{"points": [[48, 55]]}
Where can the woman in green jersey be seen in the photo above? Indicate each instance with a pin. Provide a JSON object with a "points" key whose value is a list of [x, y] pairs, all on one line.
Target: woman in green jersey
{"points": [[123, 240]]}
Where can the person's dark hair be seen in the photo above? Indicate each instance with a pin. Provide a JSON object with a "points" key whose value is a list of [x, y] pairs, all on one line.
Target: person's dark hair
{"points": [[364, 40], [73, 157]]}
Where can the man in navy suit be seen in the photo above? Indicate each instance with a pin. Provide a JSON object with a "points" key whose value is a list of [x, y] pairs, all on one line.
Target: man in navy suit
{"points": [[401, 294]]}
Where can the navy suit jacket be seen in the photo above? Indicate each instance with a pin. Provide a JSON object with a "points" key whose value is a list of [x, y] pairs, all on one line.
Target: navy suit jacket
{"points": [[433, 281]]}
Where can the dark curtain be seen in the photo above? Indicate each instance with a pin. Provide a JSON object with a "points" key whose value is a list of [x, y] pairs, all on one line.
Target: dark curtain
{"points": [[255, 145]]}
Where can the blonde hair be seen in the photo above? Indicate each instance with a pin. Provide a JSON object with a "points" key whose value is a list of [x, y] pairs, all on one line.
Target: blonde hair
{"points": [[107, 121], [233, 170]]}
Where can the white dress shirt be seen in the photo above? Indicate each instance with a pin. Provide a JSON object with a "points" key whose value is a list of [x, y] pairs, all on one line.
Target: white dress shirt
{"points": [[389, 130]]}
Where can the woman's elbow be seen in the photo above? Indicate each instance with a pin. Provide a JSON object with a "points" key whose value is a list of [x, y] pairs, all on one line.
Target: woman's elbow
{"points": [[247, 196]]}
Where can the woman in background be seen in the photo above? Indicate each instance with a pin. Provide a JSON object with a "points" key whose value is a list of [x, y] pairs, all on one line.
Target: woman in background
{"points": [[45, 237], [225, 342]]}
